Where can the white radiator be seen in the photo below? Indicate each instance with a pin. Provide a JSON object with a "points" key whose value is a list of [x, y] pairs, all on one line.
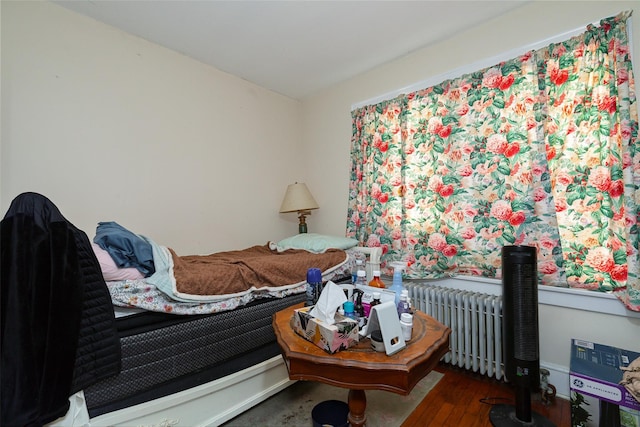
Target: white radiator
{"points": [[475, 320]]}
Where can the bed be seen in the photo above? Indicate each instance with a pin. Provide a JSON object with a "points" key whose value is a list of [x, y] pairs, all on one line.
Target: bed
{"points": [[127, 338], [194, 356]]}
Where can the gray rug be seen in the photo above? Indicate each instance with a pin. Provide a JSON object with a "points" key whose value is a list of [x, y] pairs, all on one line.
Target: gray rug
{"points": [[292, 406]]}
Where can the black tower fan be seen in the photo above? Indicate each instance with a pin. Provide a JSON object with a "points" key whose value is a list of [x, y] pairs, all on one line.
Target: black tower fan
{"points": [[520, 337]]}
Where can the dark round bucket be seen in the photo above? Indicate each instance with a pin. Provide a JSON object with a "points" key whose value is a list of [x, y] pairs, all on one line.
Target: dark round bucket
{"points": [[330, 413]]}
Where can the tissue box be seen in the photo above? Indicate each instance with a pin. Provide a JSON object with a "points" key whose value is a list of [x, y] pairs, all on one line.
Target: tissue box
{"points": [[597, 398], [331, 338]]}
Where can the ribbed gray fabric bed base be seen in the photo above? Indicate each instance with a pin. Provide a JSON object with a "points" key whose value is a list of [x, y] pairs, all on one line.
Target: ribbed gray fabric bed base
{"points": [[179, 356]]}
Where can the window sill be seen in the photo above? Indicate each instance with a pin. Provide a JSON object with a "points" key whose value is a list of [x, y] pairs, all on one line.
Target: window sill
{"points": [[578, 299]]}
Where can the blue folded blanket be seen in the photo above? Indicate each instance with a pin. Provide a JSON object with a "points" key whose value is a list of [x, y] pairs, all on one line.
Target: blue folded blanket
{"points": [[126, 248]]}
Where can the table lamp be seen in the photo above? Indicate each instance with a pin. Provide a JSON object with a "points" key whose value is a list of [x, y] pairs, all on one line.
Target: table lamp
{"points": [[298, 198]]}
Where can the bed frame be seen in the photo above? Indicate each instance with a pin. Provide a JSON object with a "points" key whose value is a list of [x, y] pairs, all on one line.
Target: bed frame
{"points": [[210, 404], [218, 401]]}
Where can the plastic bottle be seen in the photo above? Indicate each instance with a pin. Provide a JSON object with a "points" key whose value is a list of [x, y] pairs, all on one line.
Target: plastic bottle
{"points": [[314, 286], [376, 282], [359, 266], [357, 302], [376, 300], [349, 310], [406, 324], [363, 267], [397, 285], [362, 278], [403, 305], [359, 308], [367, 297]]}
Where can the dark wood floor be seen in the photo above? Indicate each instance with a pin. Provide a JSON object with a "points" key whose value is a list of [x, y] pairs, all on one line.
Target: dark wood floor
{"points": [[458, 400]]}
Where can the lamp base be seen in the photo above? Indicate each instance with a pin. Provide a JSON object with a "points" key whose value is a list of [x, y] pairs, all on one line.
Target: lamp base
{"points": [[302, 227]]}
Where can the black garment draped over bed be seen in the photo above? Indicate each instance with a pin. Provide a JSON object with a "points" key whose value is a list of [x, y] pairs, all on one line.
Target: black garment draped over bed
{"points": [[58, 327]]}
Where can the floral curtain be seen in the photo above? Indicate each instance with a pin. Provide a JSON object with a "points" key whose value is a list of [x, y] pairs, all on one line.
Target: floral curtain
{"points": [[541, 150]]}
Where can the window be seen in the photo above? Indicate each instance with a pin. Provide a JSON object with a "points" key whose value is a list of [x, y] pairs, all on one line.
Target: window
{"points": [[540, 150]]}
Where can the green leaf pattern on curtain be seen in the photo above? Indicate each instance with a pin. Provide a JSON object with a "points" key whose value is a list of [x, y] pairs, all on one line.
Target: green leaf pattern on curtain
{"points": [[541, 150], [594, 153]]}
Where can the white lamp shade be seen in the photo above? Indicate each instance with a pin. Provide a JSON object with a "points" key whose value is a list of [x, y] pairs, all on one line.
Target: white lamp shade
{"points": [[298, 198]]}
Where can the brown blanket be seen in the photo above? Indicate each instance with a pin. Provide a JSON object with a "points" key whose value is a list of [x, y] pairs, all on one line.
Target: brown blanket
{"points": [[234, 272]]}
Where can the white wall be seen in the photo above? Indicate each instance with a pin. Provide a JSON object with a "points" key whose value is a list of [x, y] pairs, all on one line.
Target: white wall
{"points": [[327, 133], [113, 128]]}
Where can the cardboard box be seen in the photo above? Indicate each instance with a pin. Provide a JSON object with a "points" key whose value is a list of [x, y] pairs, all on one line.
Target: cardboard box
{"points": [[331, 338], [597, 397]]}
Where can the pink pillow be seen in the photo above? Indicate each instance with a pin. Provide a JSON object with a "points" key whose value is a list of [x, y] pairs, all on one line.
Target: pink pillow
{"points": [[110, 270]]}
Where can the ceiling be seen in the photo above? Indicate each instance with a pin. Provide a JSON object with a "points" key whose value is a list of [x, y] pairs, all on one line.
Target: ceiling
{"points": [[296, 47]]}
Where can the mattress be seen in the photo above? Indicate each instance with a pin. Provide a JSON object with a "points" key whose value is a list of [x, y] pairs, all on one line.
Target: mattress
{"points": [[165, 353]]}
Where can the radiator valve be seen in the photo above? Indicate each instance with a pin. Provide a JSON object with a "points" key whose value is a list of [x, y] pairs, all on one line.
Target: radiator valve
{"points": [[547, 391]]}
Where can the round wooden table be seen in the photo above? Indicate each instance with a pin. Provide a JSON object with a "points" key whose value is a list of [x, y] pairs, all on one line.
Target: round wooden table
{"points": [[360, 368]]}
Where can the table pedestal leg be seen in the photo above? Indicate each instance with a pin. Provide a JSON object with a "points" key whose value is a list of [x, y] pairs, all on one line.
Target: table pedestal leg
{"points": [[357, 405]]}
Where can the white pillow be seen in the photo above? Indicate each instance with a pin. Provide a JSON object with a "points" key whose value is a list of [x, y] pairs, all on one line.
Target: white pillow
{"points": [[110, 270], [316, 243]]}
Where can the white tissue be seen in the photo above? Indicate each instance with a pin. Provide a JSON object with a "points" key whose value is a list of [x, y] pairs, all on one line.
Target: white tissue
{"points": [[331, 298]]}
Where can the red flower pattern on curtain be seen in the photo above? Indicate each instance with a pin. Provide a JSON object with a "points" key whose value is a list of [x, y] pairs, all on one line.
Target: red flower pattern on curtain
{"points": [[541, 150]]}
